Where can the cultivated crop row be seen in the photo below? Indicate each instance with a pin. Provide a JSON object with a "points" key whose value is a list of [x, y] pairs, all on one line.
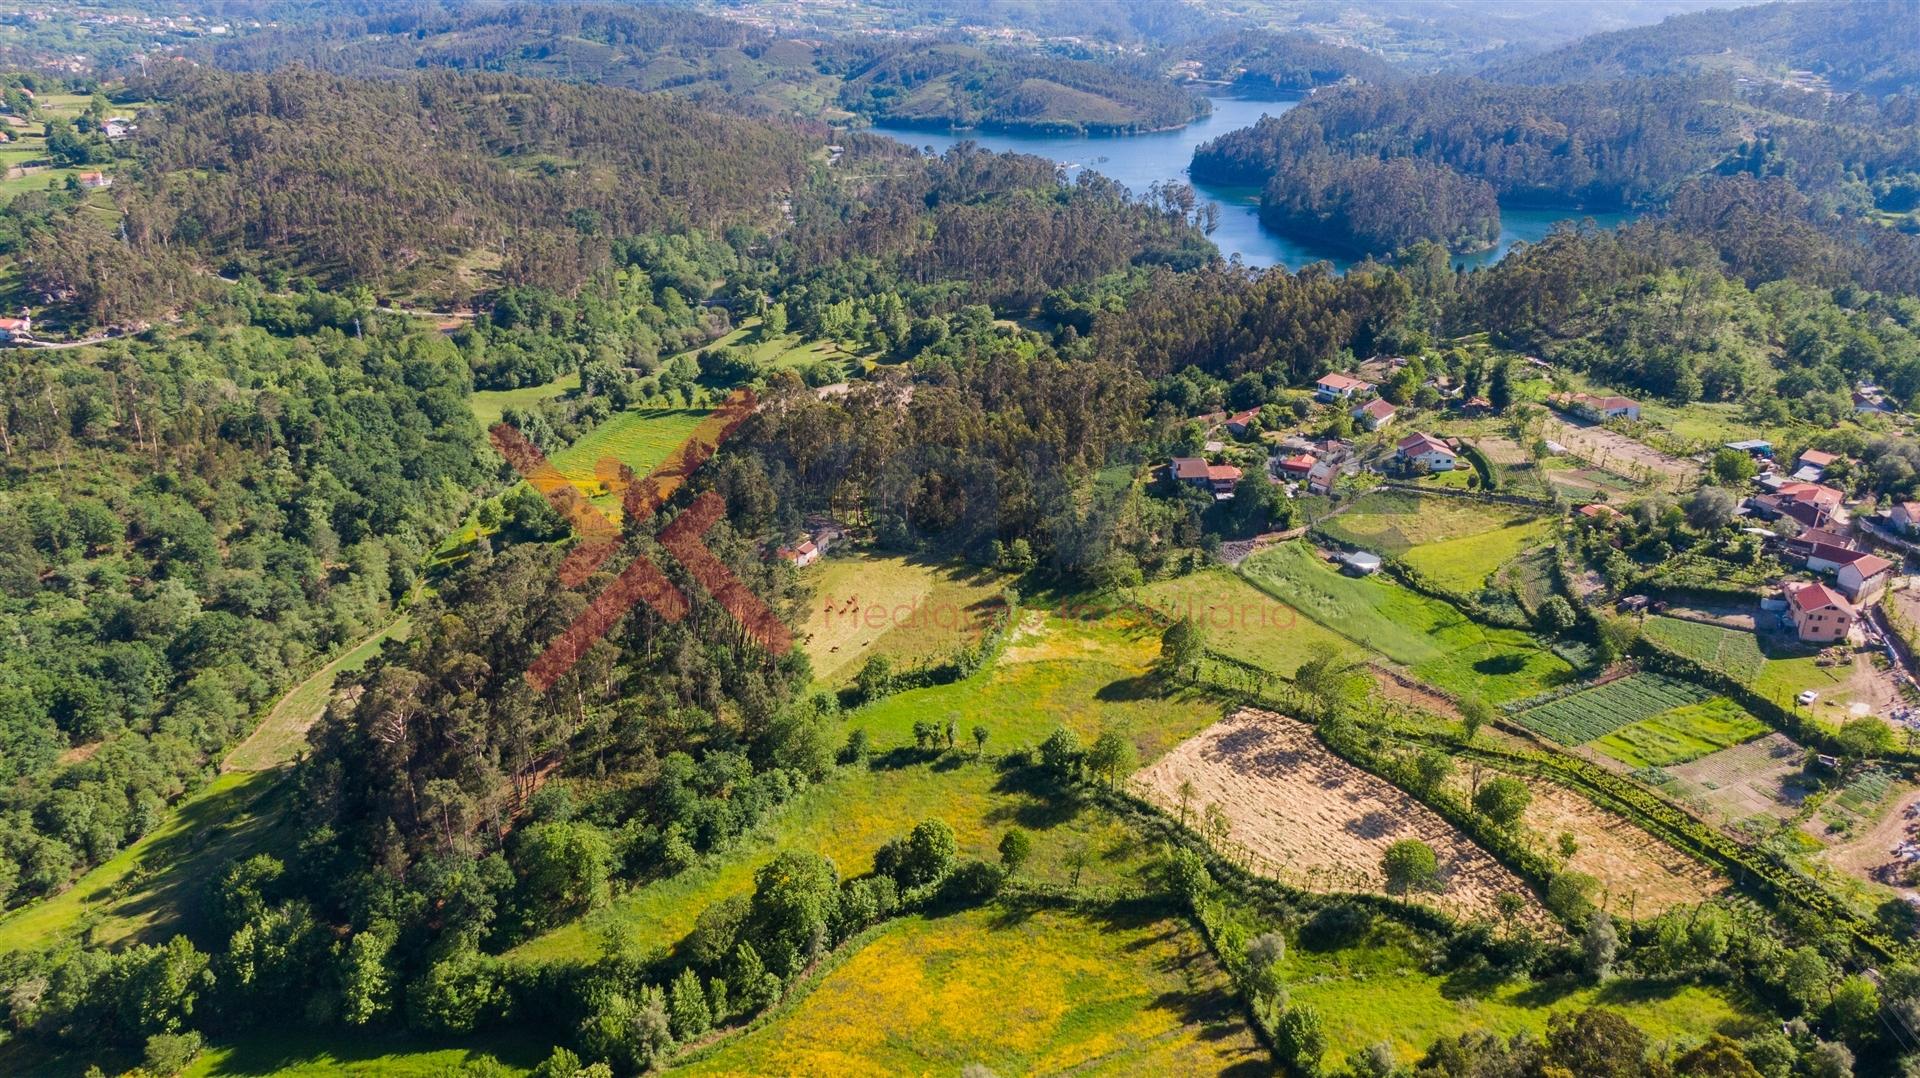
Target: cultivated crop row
{"points": [[1596, 712]]}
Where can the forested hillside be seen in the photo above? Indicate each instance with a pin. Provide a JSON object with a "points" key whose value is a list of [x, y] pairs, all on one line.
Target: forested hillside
{"points": [[1378, 207], [717, 60], [1863, 47], [960, 86], [466, 173], [189, 525], [1592, 145]]}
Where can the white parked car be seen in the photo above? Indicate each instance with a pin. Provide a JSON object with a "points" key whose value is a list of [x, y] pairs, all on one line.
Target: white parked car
{"points": [[1807, 697]]}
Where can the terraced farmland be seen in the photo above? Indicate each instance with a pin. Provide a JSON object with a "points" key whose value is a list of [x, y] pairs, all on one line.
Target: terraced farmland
{"points": [[1596, 712]]}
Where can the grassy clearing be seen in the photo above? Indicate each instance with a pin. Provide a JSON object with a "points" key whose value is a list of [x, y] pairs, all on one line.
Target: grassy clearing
{"points": [[1020, 699], [1383, 991], [490, 404], [1730, 651], [1396, 521], [1685, 733], [1597, 712], [1437, 643], [282, 735], [1464, 564], [298, 1054], [907, 609], [1244, 622], [639, 438], [1133, 992], [155, 886]]}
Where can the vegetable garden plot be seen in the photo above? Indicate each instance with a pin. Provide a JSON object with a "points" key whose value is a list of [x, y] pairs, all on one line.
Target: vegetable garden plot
{"points": [[1597, 712]]}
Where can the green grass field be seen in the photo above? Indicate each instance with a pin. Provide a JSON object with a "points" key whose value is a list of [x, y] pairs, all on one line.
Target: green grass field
{"points": [[282, 735], [1433, 640], [301, 1054], [1045, 992], [640, 438], [490, 404], [907, 609], [155, 886], [1383, 991], [1463, 565], [1087, 676], [1730, 651], [1396, 521], [1244, 622], [1599, 711], [1682, 734]]}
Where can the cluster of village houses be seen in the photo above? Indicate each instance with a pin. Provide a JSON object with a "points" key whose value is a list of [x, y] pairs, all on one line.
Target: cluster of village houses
{"points": [[1314, 464], [1810, 524]]}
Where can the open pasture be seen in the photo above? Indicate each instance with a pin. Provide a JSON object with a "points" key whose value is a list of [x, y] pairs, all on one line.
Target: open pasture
{"points": [[1385, 991], [639, 438], [1396, 521], [858, 808], [1436, 642], [1464, 564], [907, 609], [1310, 819], [1018, 992], [1244, 622], [1593, 713]]}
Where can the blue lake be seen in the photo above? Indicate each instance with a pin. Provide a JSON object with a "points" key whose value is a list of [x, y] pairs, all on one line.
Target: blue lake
{"points": [[1139, 161]]}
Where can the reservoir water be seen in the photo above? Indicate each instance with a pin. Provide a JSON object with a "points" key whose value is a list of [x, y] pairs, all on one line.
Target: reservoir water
{"points": [[1139, 161]]}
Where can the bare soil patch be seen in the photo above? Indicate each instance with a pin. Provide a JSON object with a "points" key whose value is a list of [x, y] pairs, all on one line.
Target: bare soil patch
{"points": [[1392, 685], [1504, 451], [1638, 873], [1885, 851], [1759, 778], [1310, 819], [1618, 453]]}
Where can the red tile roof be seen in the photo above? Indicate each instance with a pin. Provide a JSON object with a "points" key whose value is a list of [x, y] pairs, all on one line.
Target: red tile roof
{"points": [[1378, 408], [1815, 596], [1337, 381], [1811, 493], [1189, 468], [1415, 444], [1871, 565]]}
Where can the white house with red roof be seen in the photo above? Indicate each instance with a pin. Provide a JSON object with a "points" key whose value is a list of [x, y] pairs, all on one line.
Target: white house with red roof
{"points": [[14, 328], [1297, 466], [800, 555], [1601, 408], [1337, 386], [1861, 574], [1864, 578], [1819, 614], [1238, 423], [1425, 449], [1374, 414]]}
